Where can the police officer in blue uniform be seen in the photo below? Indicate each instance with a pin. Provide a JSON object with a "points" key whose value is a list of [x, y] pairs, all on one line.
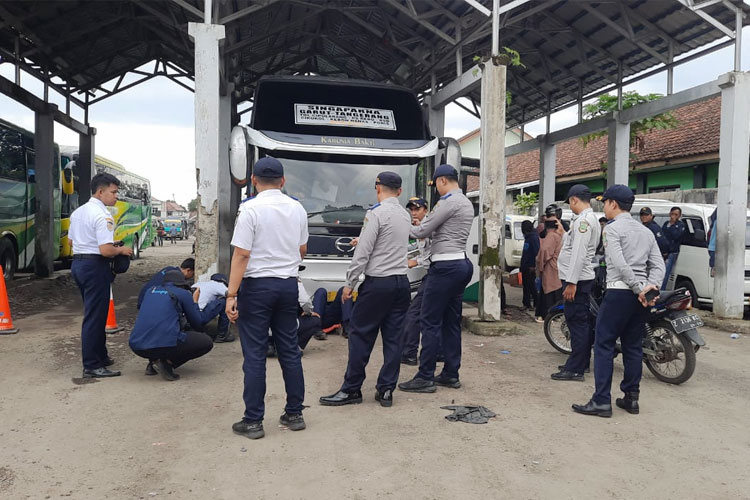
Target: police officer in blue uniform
{"points": [[92, 233], [450, 271], [381, 255], [634, 267], [270, 240]]}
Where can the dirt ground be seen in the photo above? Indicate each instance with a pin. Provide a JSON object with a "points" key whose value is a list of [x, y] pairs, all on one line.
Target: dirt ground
{"points": [[141, 437]]}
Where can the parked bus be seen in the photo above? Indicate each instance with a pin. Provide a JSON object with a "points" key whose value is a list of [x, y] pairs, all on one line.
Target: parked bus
{"points": [[333, 137], [17, 198], [132, 212]]}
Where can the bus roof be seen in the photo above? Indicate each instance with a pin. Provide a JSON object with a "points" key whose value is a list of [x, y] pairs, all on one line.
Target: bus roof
{"points": [[71, 151]]}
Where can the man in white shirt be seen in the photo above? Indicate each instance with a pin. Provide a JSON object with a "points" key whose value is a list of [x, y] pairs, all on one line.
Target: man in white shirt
{"points": [[270, 240], [91, 232], [205, 292]]}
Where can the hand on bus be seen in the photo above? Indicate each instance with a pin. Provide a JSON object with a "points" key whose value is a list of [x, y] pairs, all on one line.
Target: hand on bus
{"points": [[346, 294], [231, 309]]}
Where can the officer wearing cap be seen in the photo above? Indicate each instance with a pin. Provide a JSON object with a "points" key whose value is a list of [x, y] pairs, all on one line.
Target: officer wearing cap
{"points": [[270, 240], [450, 271], [412, 328], [383, 297], [92, 234], [634, 267], [576, 270], [647, 219]]}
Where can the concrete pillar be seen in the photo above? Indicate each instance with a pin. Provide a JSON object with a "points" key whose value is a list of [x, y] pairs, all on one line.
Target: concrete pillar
{"points": [[436, 119], [618, 152], [547, 173], [229, 193], [46, 239], [734, 150], [207, 143], [492, 190], [85, 165]]}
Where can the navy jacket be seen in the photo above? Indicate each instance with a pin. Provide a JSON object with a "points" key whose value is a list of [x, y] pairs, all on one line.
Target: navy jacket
{"points": [[674, 235], [530, 249], [661, 240], [158, 322], [156, 279]]}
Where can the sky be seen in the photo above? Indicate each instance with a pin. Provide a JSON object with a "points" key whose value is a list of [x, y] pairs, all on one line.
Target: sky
{"points": [[149, 128]]}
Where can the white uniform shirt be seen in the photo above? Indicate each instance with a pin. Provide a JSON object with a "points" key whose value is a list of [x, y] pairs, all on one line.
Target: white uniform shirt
{"points": [[305, 301], [91, 225], [272, 226], [210, 290]]}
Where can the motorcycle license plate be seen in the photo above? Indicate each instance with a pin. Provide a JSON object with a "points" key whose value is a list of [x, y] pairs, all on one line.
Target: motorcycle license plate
{"points": [[686, 323]]}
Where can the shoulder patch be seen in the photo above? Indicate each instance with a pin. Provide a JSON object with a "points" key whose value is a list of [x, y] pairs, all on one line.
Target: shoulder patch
{"points": [[583, 227], [110, 224]]}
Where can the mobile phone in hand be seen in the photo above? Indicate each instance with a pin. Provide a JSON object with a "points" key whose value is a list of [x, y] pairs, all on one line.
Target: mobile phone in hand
{"points": [[651, 295]]}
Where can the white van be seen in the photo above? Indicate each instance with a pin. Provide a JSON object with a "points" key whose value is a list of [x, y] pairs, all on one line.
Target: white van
{"points": [[691, 269]]}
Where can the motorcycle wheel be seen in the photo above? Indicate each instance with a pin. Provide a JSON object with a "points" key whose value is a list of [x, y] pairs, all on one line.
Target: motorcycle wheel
{"points": [[675, 363], [556, 331]]}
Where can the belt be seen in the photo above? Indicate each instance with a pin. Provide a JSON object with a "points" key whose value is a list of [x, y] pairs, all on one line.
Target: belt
{"points": [[384, 278], [617, 285], [88, 256], [439, 257]]}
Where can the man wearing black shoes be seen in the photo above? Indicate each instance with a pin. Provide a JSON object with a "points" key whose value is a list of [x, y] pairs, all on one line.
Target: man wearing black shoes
{"points": [[383, 297], [634, 267]]}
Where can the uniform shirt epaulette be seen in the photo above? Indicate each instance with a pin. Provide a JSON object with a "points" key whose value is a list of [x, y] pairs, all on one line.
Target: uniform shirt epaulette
{"points": [[446, 196], [247, 199], [375, 206], [292, 197], [610, 221]]}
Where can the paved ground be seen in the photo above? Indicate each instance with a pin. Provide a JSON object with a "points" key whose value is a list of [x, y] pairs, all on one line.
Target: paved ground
{"points": [[142, 437]]}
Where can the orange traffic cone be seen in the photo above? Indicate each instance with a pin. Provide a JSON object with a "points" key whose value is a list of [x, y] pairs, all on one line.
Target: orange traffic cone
{"points": [[111, 319], [6, 321]]}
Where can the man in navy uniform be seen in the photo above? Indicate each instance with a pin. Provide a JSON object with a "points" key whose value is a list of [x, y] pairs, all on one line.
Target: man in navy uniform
{"points": [[634, 267], [270, 240], [647, 219], [92, 233], [381, 255], [187, 268], [450, 271]]}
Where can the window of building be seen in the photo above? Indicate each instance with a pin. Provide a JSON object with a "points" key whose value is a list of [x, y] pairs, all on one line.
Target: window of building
{"points": [[664, 189]]}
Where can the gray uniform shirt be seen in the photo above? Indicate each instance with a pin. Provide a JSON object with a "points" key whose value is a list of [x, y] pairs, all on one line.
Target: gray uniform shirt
{"points": [[632, 254], [425, 251], [575, 262], [383, 242], [448, 224]]}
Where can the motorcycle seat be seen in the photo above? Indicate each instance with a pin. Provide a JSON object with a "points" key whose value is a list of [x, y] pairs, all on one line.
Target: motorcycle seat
{"points": [[665, 295]]}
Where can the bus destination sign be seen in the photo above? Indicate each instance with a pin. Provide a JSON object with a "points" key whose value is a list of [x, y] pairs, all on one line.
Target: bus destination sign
{"points": [[344, 116]]}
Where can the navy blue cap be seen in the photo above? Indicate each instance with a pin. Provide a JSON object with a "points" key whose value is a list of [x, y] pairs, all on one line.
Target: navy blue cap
{"points": [[444, 170], [417, 202], [221, 278], [578, 190], [390, 179], [120, 264], [619, 193], [268, 166]]}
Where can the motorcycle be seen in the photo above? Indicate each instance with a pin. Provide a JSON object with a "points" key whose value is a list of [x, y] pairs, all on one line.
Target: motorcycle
{"points": [[671, 339]]}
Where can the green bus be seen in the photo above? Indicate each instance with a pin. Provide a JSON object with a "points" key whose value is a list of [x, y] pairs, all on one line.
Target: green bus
{"points": [[132, 212], [18, 200]]}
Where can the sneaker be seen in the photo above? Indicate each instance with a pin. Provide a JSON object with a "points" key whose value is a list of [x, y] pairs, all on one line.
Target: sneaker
{"points": [[251, 430], [165, 370], [443, 381], [292, 421], [418, 385], [150, 371], [406, 360], [321, 335], [224, 337], [566, 375]]}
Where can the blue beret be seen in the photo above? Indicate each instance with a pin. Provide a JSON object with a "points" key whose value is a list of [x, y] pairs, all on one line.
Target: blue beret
{"points": [[268, 166]]}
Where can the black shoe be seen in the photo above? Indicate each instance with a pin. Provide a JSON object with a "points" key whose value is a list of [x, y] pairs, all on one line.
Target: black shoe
{"points": [[109, 361], [100, 373], [224, 337], [271, 351], [406, 360], [562, 368], [252, 430], [341, 398], [292, 421], [566, 375], [418, 385], [385, 398], [150, 370], [629, 403], [165, 370], [321, 335], [592, 408], [442, 381]]}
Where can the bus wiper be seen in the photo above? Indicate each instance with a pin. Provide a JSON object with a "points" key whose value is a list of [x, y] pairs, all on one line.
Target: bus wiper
{"points": [[333, 210]]}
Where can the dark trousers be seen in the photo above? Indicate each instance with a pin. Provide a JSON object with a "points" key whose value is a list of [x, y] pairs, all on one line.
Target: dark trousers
{"points": [[547, 300], [581, 327], [265, 303], [529, 288], [94, 279], [334, 312], [381, 306], [413, 327], [620, 316], [196, 345], [441, 316], [308, 326]]}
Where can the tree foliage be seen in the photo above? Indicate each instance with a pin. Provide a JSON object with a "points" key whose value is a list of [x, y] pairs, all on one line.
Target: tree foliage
{"points": [[193, 205], [525, 202]]}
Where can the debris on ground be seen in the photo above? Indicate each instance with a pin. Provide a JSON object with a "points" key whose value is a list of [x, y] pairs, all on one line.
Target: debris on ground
{"points": [[469, 414]]}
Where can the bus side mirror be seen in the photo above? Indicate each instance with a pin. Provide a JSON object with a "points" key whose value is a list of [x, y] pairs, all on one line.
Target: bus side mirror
{"points": [[239, 157]]}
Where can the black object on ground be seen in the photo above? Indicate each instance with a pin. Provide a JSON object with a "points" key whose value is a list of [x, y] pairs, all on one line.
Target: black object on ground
{"points": [[469, 414]]}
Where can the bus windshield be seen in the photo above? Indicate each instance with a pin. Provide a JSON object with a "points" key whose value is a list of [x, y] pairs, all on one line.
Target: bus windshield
{"points": [[341, 193]]}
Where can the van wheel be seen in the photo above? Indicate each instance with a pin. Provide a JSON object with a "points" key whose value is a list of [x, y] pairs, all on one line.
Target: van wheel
{"points": [[686, 283], [136, 248], [8, 258]]}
